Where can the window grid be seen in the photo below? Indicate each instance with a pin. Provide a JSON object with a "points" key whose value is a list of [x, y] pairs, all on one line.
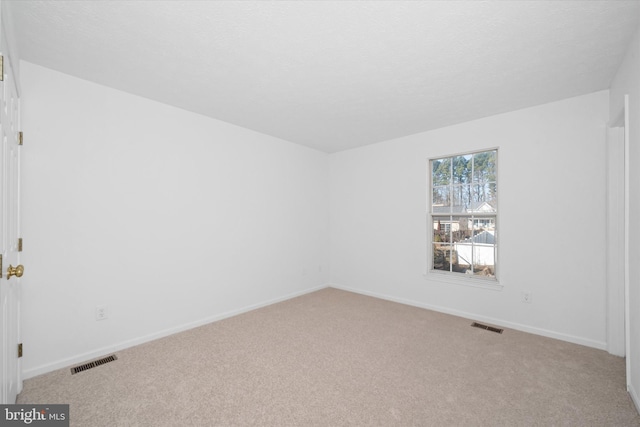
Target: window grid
{"points": [[463, 213]]}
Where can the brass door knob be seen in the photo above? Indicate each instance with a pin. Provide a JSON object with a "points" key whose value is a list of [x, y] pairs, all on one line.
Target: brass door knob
{"points": [[17, 271]]}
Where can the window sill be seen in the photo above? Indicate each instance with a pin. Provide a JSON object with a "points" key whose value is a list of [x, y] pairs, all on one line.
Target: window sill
{"points": [[464, 280]]}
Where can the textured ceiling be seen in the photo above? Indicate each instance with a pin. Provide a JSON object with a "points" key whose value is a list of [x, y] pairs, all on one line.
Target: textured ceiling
{"points": [[334, 75]]}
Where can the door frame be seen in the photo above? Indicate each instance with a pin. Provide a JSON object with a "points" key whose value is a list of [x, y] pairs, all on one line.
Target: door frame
{"points": [[615, 240], [618, 332]]}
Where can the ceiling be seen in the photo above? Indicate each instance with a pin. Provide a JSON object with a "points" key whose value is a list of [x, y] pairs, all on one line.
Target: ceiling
{"points": [[334, 75]]}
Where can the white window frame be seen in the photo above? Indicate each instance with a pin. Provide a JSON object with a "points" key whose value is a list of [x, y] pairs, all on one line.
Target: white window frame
{"points": [[487, 282]]}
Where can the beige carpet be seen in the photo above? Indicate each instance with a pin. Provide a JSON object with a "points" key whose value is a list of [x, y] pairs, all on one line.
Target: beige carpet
{"points": [[335, 358]]}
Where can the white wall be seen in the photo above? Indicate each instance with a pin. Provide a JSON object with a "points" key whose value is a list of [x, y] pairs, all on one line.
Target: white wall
{"points": [[173, 219], [170, 218], [552, 212], [627, 82], [8, 33]]}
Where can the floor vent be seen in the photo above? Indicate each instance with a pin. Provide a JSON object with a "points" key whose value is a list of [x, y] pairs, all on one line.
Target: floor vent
{"points": [[93, 364], [488, 328]]}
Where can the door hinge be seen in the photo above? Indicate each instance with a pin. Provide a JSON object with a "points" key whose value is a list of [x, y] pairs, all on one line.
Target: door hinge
{"points": [[20, 350], [1, 68], [20, 138], [20, 244]]}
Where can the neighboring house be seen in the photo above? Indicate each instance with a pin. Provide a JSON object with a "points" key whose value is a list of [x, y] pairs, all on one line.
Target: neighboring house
{"points": [[454, 223]]}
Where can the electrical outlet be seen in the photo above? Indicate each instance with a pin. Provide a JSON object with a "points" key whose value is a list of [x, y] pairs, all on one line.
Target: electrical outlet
{"points": [[526, 297], [101, 312]]}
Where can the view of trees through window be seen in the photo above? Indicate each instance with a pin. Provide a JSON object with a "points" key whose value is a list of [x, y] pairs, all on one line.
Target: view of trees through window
{"points": [[464, 195]]}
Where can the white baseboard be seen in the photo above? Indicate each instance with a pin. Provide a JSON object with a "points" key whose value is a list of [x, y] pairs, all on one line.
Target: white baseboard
{"points": [[63, 363], [472, 316], [634, 397]]}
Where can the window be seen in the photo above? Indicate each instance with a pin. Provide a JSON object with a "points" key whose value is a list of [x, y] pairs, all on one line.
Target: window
{"points": [[463, 213]]}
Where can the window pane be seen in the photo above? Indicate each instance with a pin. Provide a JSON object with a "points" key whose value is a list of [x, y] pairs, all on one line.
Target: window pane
{"points": [[484, 197], [441, 246], [484, 254], [462, 169], [441, 254], [441, 199], [441, 229], [491, 194], [461, 260], [484, 167], [441, 171], [461, 198]]}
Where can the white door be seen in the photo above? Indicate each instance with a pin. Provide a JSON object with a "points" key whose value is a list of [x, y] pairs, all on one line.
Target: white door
{"points": [[10, 248]]}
